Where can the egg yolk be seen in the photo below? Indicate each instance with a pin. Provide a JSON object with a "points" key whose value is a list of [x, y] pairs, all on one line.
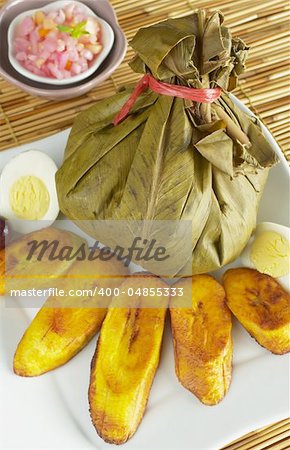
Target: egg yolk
{"points": [[29, 198], [270, 253]]}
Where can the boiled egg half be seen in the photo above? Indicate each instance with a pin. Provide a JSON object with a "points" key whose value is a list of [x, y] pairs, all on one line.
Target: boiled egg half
{"points": [[28, 197], [268, 251]]}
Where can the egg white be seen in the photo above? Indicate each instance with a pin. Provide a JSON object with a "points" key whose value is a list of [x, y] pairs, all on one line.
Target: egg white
{"points": [[261, 227], [30, 163]]}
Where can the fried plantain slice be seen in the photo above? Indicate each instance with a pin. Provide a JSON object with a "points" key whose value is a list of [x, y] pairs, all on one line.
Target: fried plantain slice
{"points": [[32, 261], [60, 330], [202, 339], [261, 305], [125, 362]]}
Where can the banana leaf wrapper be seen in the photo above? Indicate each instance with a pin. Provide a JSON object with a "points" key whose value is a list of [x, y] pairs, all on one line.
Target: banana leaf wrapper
{"points": [[171, 158]]}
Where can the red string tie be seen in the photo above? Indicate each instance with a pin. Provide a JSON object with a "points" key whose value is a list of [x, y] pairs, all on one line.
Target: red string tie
{"points": [[172, 90]]}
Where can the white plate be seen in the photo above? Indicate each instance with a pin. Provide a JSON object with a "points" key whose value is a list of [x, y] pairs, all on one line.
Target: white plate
{"points": [[51, 411]]}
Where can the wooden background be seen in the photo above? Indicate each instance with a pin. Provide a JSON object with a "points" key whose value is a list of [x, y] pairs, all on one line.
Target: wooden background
{"points": [[263, 24]]}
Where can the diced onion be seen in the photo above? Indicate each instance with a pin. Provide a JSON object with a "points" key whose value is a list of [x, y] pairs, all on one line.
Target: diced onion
{"points": [[46, 43]]}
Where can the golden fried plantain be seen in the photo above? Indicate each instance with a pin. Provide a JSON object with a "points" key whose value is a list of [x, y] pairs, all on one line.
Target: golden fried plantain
{"points": [[58, 332], [202, 339], [261, 305], [30, 261], [125, 362]]}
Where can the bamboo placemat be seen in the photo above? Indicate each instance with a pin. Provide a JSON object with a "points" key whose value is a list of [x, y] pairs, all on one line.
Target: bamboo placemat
{"points": [[263, 24], [274, 437]]}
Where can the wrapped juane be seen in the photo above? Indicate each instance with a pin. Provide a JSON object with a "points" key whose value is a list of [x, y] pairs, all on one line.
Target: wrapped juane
{"points": [[172, 158]]}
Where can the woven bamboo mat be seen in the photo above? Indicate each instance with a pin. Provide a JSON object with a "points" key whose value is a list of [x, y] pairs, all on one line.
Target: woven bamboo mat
{"points": [[263, 24]]}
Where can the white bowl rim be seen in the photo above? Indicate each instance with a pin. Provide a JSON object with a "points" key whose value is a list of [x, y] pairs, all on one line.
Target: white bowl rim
{"points": [[110, 36]]}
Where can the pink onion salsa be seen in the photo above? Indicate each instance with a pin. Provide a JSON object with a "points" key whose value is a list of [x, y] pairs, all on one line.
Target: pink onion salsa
{"points": [[58, 44]]}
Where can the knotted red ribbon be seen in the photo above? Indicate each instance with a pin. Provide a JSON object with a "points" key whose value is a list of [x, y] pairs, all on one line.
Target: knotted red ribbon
{"points": [[172, 90]]}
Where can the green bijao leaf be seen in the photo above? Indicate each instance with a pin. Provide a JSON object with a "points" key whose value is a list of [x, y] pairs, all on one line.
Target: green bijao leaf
{"points": [[208, 148], [101, 115], [260, 149], [173, 159], [164, 37]]}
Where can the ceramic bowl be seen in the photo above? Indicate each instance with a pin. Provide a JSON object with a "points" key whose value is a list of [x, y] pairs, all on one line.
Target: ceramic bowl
{"points": [[107, 37], [103, 9]]}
